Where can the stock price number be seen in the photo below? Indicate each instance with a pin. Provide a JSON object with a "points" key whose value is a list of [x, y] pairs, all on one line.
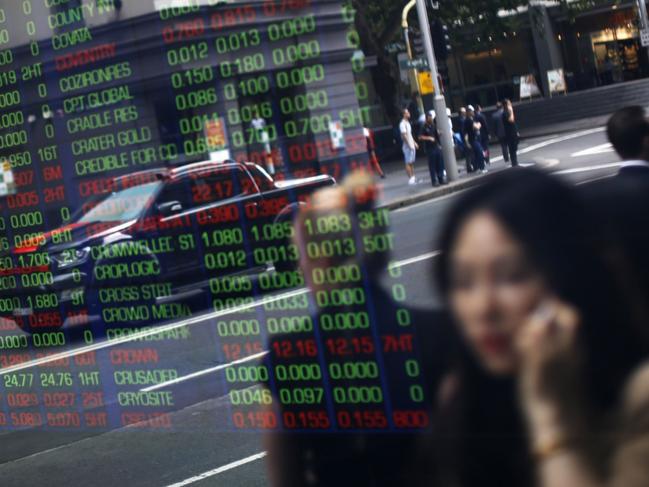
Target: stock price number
{"points": [[295, 348], [306, 420], [301, 395], [192, 77], [186, 54], [238, 40]]}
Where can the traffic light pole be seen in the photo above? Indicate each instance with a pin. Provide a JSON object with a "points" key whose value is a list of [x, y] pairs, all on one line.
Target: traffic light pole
{"points": [[413, 72], [439, 103], [642, 10], [644, 25]]}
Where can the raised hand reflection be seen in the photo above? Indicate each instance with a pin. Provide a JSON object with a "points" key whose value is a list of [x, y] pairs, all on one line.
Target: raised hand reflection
{"points": [[353, 390]]}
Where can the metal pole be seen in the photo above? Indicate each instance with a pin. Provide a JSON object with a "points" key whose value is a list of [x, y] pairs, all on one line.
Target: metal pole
{"points": [[413, 71], [644, 19], [439, 102], [644, 25], [414, 79]]}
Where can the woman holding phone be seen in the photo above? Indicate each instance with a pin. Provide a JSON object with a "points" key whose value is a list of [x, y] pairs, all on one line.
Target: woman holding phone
{"points": [[549, 387]]}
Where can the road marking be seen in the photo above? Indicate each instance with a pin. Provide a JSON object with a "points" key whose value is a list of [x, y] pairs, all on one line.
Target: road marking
{"points": [[149, 332], [428, 202], [202, 318], [562, 138], [216, 471], [544, 163], [598, 178], [598, 149], [258, 456], [554, 140], [414, 260], [250, 358], [199, 373], [174, 326], [589, 168]]}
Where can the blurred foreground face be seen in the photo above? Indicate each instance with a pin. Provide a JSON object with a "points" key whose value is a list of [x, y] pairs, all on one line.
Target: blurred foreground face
{"points": [[493, 290]]}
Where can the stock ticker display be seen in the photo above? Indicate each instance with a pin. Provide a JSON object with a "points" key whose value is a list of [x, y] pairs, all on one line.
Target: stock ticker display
{"points": [[153, 156]]}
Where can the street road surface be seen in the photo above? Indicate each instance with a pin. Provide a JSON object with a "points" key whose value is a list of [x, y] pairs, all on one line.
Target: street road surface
{"points": [[197, 451]]}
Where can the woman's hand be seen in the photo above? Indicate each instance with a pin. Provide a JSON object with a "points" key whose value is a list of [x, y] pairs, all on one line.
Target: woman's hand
{"points": [[549, 376]]}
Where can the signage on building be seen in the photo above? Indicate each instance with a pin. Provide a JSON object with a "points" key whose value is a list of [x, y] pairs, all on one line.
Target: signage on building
{"points": [[337, 134], [644, 37], [403, 70], [395, 48], [426, 83], [215, 134], [528, 86], [419, 63], [7, 182], [557, 81], [216, 139]]}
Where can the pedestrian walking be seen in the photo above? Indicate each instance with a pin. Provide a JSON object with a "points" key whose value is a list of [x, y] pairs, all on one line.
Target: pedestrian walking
{"points": [[484, 132], [430, 137], [472, 140], [468, 154], [511, 131], [499, 130], [409, 146], [371, 152]]}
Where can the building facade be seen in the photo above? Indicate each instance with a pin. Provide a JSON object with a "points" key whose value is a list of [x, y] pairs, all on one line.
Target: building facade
{"points": [[595, 47], [284, 85]]}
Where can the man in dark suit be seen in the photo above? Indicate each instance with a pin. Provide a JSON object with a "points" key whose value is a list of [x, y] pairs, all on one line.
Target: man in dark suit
{"points": [[468, 152], [499, 129], [621, 203], [472, 139], [484, 132]]}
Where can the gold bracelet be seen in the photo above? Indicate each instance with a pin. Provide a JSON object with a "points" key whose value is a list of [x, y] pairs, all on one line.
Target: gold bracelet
{"points": [[547, 449]]}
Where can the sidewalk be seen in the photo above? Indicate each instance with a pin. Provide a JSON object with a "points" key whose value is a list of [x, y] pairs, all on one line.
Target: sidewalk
{"points": [[396, 193], [562, 128]]}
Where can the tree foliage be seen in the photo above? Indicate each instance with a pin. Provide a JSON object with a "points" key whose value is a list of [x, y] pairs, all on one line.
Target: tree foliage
{"points": [[472, 23], [379, 23], [484, 16]]}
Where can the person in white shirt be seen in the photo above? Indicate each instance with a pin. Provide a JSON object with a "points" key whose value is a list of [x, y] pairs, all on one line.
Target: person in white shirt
{"points": [[261, 132], [409, 146]]}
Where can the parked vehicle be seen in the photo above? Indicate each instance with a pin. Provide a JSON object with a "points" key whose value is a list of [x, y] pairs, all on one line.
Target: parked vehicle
{"points": [[156, 245]]}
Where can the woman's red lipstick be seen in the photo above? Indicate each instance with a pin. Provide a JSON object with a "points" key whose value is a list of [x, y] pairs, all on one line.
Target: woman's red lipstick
{"points": [[494, 343]]}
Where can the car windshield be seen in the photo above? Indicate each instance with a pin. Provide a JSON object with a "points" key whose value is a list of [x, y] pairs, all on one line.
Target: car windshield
{"points": [[121, 206]]}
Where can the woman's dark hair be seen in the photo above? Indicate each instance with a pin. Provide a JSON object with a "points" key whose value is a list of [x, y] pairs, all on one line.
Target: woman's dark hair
{"points": [[560, 239]]}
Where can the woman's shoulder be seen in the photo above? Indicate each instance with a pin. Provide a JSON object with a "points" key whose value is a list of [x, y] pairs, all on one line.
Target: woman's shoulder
{"points": [[635, 399], [630, 467]]}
